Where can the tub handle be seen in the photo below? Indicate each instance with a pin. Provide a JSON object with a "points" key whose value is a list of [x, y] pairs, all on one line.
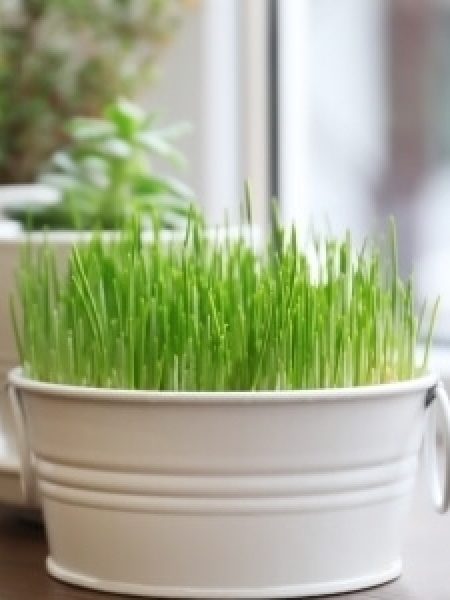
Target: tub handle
{"points": [[27, 477], [438, 412]]}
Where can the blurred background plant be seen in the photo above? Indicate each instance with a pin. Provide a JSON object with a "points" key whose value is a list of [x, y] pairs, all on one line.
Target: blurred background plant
{"points": [[60, 58], [105, 175]]}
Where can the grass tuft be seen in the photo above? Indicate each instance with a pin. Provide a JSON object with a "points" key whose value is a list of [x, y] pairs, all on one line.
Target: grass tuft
{"points": [[197, 314]]}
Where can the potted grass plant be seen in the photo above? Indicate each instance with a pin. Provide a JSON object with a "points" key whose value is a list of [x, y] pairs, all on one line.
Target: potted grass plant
{"points": [[111, 170], [211, 421]]}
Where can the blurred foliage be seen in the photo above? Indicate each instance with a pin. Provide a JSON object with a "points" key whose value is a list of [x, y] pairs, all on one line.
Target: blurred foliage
{"points": [[60, 58], [106, 175]]}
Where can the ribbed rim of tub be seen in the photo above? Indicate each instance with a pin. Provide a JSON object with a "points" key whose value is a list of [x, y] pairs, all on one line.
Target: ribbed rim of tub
{"points": [[21, 382]]}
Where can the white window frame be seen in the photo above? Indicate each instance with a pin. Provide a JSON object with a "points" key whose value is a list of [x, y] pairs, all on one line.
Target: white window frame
{"points": [[293, 110]]}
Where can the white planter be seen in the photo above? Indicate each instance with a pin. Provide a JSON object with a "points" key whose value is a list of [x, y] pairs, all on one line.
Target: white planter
{"points": [[268, 494], [25, 193]]}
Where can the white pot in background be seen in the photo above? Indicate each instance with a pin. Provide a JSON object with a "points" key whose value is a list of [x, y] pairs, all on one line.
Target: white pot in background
{"points": [[266, 494], [18, 194]]}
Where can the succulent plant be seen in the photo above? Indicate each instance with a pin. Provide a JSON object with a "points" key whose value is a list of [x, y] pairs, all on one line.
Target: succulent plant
{"points": [[106, 176]]}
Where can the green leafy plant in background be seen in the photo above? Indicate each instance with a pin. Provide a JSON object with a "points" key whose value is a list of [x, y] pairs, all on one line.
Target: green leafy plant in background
{"points": [[204, 315], [60, 58], [105, 176]]}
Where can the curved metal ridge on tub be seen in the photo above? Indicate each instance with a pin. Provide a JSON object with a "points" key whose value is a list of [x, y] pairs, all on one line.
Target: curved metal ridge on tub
{"points": [[207, 505], [59, 391], [342, 480], [279, 591]]}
